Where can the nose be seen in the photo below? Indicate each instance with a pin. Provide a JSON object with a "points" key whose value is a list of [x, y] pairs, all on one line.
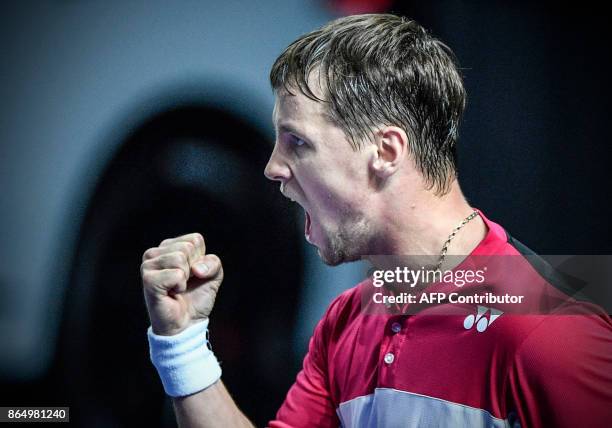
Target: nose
{"points": [[277, 169]]}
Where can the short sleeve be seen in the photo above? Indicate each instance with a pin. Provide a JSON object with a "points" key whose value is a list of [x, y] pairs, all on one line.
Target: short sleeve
{"points": [[562, 373], [308, 402]]}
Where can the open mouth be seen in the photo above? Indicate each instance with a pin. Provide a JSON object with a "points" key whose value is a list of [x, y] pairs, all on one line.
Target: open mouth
{"points": [[307, 218]]}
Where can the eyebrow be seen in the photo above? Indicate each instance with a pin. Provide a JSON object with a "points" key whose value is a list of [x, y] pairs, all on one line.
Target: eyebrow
{"points": [[287, 127]]}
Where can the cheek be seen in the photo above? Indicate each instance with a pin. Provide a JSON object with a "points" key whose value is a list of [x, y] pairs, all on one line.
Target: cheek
{"points": [[336, 203], [332, 186]]}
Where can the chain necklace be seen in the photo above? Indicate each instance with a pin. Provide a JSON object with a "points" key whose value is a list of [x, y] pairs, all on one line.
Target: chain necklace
{"points": [[452, 235]]}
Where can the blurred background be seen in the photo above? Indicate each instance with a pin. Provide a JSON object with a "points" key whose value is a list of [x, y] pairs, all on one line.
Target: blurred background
{"points": [[126, 122]]}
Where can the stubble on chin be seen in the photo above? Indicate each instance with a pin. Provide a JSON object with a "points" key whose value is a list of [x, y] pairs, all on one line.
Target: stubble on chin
{"points": [[348, 244]]}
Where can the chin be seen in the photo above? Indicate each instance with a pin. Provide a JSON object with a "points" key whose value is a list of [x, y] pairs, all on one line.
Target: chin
{"points": [[348, 244], [330, 259], [334, 255]]}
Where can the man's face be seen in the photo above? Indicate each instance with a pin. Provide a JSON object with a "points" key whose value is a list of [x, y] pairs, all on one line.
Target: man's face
{"points": [[318, 168]]}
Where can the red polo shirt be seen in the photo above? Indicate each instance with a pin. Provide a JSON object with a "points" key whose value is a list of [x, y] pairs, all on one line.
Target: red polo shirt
{"points": [[469, 367]]}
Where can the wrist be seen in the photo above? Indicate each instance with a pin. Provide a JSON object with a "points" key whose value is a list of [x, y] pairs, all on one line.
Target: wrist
{"points": [[161, 329], [184, 361]]}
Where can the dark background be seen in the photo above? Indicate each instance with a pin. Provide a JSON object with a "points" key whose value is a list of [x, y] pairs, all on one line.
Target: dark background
{"points": [[535, 139], [533, 156]]}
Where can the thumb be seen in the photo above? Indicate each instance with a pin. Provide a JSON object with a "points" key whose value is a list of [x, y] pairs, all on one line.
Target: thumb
{"points": [[207, 267]]}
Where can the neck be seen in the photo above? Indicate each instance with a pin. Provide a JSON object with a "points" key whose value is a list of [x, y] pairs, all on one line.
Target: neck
{"points": [[425, 223]]}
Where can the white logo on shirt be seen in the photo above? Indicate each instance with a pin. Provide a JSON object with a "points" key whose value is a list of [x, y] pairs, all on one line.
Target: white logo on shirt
{"points": [[480, 320]]}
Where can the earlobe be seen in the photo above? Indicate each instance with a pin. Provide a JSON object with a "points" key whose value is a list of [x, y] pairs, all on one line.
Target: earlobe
{"points": [[381, 168], [391, 150], [376, 163]]}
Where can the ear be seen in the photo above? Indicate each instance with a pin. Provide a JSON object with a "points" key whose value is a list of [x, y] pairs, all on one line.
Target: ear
{"points": [[391, 150]]}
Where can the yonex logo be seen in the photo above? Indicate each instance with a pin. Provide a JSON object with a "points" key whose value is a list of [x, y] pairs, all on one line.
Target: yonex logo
{"points": [[480, 320]]}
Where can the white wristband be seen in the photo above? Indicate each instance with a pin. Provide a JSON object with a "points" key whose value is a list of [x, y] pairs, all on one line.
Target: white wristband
{"points": [[183, 361]]}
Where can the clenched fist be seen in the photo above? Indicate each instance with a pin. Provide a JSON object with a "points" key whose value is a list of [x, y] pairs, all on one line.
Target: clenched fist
{"points": [[180, 283]]}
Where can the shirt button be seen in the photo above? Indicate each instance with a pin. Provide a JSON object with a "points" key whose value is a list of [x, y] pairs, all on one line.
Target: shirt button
{"points": [[389, 357], [396, 327]]}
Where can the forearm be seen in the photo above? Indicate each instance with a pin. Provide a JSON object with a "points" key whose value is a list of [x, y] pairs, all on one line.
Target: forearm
{"points": [[210, 408], [191, 375], [180, 284]]}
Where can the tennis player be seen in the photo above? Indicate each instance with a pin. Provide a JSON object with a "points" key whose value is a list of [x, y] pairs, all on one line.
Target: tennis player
{"points": [[367, 112]]}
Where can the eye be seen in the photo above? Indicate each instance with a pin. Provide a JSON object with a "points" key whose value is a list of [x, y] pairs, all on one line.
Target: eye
{"points": [[297, 141]]}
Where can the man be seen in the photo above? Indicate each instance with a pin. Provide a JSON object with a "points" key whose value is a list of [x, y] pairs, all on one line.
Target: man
{"points": [[366, 116]]}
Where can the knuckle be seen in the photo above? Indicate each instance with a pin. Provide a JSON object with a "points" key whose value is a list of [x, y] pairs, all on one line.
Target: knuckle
{"points": [[180, 257], [148, 277], [198, 239], [144, 266], [179, 275], [149, 253], [182, 247], [190, 247]]}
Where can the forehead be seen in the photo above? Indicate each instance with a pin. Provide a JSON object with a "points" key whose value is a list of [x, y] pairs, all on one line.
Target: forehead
{"points": [[294, 106]]}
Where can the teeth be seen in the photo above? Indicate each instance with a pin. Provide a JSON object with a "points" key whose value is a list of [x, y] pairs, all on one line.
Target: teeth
{"points": [[282, 190]]}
